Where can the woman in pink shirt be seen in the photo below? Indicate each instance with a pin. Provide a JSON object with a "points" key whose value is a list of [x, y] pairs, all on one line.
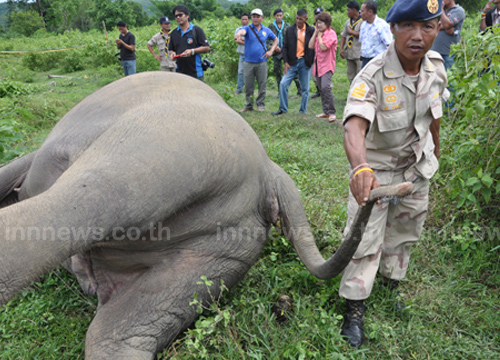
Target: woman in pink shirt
{"points": [[324, 42]]}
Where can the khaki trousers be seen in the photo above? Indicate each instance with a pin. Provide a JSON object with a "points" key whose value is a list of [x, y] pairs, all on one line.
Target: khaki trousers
{"points": [[388, 237], [353, 68]]}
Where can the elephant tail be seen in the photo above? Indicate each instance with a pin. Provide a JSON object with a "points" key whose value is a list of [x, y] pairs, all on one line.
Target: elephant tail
{"points": [[295, 227]]}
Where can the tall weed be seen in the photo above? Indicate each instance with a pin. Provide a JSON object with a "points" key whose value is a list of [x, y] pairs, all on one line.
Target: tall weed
{"points": [[470, 163]]}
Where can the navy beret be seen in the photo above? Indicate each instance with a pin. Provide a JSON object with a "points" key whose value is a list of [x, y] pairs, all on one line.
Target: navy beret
{"points": [[414, 10]]}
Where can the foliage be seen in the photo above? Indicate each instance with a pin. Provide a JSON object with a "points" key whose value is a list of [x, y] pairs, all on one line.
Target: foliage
{"points": [[470, 165], [198, 9], [25, 23], [69, 14], [111, 12], [13, 88]]}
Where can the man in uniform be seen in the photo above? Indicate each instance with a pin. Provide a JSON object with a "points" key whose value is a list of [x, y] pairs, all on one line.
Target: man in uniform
{"points": [[188, 41], [161, 41], [392, 121], [350, 46]]}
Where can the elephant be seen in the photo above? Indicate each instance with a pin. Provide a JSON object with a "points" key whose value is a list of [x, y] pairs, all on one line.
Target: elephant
{"points": [[145, 186]]}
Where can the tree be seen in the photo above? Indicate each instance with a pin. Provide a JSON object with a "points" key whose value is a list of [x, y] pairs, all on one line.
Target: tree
{"points": [[141, 17], [25, 22], [198, 9], [267, 6], [111, 12], [236, 9]]}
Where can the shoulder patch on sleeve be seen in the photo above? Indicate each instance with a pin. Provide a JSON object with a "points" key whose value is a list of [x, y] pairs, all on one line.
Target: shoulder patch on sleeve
{"points": [[373, 67], [359, 91]]}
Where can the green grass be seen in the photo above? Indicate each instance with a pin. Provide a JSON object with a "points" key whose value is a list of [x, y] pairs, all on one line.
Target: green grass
{"points": [[451, 291]]}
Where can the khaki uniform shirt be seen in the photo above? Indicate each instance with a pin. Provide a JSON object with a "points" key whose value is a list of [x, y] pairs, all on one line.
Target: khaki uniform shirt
{"points": [[165, 61], [352, 52], [399, 113]]}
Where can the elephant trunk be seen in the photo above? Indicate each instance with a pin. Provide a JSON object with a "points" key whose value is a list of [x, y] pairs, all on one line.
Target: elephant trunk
{"points": [[296, 228]]}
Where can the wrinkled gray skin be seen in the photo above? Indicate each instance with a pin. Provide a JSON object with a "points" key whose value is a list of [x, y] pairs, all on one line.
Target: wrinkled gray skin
{"points": [[150, 150]]}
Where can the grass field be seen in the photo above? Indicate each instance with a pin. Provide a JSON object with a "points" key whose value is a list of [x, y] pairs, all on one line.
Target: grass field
{"points": [[451, 292]]}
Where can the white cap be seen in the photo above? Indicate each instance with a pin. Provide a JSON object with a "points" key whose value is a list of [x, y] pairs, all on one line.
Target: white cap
{"points": [[257, 12]]}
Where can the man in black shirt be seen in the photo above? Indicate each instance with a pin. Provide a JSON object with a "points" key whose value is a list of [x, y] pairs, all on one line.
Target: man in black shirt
{"points": [[187, 41], [126, 44]]}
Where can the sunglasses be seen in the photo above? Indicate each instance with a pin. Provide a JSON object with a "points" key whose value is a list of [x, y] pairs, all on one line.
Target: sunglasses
{"points": [[178, 15]]}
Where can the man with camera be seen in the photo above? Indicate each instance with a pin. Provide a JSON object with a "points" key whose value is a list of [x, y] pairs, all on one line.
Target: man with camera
{"points": [[187, 42]]}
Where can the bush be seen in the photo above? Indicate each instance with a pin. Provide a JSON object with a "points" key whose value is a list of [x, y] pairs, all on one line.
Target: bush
{"points": [[73, 60], [470, 162], [13, 88], [42, 61]]}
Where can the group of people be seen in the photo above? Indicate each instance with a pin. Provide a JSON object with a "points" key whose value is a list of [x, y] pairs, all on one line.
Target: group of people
{"points": [[179, 49], [299, 51], [391, 118]]}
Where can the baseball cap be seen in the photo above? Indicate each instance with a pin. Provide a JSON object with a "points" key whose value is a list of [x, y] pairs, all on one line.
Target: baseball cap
{"points": [[164, 20], [318, 10], [257, 12]]}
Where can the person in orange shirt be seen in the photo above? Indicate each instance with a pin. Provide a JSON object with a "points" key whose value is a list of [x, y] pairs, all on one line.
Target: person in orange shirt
{"points": [[298, 59]]}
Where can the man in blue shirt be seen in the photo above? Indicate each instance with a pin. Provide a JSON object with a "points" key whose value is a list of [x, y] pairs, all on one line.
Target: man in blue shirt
{"points": [[375, 34], [254, 37]]}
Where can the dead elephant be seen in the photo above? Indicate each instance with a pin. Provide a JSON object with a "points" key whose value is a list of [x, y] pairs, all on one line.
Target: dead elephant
{"points": [[139, 184]]}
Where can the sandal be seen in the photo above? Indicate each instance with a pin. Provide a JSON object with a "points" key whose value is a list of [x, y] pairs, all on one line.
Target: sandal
{"points": [[321, 116], [332, 118]]}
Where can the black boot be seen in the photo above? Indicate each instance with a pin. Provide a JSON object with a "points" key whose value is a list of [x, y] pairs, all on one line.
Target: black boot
{"points": [[352, 329], [393, 286]]}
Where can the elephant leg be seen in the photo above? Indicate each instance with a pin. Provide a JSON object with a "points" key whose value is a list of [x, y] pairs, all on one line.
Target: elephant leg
{"points": [[148, 313], [12, 177]]}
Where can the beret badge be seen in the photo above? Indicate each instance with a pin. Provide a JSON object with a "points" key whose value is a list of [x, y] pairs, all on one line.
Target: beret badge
{"points": [[433, 6]]}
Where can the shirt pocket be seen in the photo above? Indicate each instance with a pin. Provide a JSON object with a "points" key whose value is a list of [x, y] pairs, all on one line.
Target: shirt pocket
{"points": [[436, 107], [391, 129]]}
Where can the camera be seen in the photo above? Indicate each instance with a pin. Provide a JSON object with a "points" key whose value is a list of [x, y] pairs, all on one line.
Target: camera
{"points": [[205, 64]]}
